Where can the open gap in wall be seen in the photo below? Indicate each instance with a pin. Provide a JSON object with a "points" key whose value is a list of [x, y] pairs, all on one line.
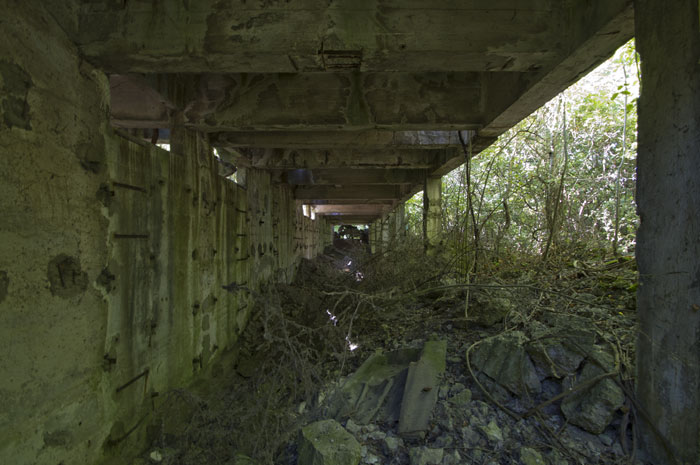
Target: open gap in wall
{"points": [[309, 211], [227, 169]]}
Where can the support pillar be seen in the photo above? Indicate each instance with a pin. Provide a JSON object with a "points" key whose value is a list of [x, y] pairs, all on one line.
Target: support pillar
{"points": [[374, 237], [432, 213], [668, 240], [386, 232], [400, 223]]}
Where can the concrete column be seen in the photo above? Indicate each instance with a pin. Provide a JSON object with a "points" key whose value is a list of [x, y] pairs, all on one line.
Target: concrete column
{"points": [[329, 234], [178, 134], [386, 232], [374, 237], [400, 221], [668, 240], [432, 213]]}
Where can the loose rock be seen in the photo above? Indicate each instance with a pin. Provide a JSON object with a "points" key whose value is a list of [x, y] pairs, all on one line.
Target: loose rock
{"points": [[531, 457], [592, 409], [493, 432], [504, 359], [327, 443], [425, 456]]}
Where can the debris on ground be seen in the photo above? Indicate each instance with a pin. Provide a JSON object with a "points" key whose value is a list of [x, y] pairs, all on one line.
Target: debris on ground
{"points": [[361, 361]]}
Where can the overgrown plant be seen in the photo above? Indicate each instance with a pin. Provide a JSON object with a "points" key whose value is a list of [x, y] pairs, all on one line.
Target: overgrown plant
{"points": [[560, 182]]}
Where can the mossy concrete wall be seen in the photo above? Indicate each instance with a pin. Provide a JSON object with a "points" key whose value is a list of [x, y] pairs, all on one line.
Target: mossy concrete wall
{"points": [[125, 270], [53, 244]]}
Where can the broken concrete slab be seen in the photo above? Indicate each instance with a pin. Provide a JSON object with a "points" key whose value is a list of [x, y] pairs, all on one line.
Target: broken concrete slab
{"points": [[421, 391], [593, 409], [504, 359], [554, 356], [327, 443], [401, 385], [375, 390]]}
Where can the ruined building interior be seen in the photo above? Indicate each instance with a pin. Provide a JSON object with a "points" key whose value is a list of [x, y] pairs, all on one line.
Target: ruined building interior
{"points": [[115, 252]]}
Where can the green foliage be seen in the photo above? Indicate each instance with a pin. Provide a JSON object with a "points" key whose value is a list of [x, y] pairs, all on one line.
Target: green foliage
{"points": [[555, 174]]}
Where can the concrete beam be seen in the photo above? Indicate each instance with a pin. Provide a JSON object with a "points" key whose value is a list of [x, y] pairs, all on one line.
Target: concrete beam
{"points": [[351, 176], [136, 103], [388, 203], [230, 36], [352, 158], [370, 139], [350, 219], [331, 101], [389, 192], [594, 31], [357, 209], [432, 214]]}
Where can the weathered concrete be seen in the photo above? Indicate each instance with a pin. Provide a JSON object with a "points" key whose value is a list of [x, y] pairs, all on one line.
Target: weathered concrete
{"points": [[327, 443], [353, 176], [421, 390], [353, 192], [127, 269], [314, 101], [668, 248], [336, 159], [314, 35], [53, 318], [375, 390], [372, 139], [366, 209]]}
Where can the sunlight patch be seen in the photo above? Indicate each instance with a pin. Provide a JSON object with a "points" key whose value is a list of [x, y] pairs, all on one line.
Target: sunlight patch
{"points": [[332, 317]]}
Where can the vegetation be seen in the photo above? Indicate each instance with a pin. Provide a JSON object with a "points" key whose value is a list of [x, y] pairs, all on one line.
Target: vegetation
{"points": [[561, 182]]}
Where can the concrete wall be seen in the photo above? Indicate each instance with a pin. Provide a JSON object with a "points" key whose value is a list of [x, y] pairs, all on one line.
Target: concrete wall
{"points": [[668, 243], [113, 254]]}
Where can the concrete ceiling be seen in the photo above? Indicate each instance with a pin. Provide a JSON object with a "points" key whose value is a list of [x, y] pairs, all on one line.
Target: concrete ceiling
{"points": [[368, 96]]}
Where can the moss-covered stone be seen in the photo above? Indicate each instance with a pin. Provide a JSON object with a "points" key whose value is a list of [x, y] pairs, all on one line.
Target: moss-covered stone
{"points": [[327, 443]]}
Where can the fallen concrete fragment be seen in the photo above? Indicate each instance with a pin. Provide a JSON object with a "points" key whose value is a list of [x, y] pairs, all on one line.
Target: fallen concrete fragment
{"points": [[421, 391], [503, 359], [593, 409], [327, 443], [375, 390]]}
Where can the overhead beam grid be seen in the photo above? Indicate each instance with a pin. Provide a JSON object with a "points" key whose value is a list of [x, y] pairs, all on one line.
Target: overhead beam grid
{"points": [[348, 102]]}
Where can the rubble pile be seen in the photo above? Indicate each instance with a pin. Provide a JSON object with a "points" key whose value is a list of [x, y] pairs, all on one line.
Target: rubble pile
{"points": [[497, 374]]}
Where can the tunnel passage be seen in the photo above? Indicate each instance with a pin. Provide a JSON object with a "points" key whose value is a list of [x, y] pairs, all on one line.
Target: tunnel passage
{"points": [[129, 270]]}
